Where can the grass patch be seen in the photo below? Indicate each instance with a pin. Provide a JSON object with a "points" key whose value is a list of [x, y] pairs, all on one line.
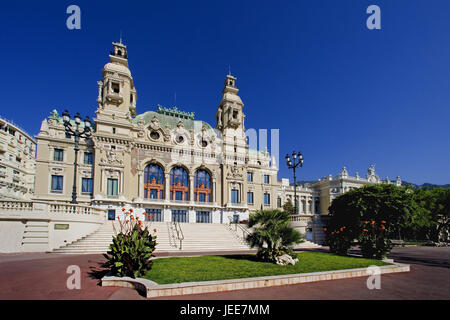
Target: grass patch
{"points": [[206, 268], [415, 243]]}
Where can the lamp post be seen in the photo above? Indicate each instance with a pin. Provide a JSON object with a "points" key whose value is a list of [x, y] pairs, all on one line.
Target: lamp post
{"points": [[77, 134], [297, 160]]}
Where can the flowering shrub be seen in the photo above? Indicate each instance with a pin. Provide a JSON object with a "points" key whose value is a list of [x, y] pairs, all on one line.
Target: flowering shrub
{"points": [[373, 213], [339, 239], [131, 249], [373, 241]]}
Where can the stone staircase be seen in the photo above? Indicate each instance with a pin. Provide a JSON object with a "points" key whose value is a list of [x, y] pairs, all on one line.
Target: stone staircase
{"points": [[197, 237], [100, 240], [307, 245], [242, 230], [200, 237]]}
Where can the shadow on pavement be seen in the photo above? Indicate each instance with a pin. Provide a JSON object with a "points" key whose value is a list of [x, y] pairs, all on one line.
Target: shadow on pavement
{"points": [[98, 272]]}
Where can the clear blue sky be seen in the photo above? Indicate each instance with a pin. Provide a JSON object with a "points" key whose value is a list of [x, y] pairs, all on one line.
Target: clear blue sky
{"points": [[338, 92]]}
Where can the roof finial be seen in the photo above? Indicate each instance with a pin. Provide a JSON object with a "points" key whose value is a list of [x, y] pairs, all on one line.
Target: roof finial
{"points": [[120, 36], [229, 70]]}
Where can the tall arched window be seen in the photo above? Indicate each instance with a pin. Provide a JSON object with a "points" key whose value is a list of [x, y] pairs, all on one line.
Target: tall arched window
{"points": [[153, 182], [179, 184], [202, 186]]}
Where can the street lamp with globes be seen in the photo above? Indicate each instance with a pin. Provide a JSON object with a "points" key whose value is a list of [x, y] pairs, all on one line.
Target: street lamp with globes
{"points": [[297, 160], [77, 134]]}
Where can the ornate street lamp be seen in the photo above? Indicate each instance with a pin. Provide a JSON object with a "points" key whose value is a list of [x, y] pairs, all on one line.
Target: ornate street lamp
{"points": [[77, 133], [297, 160]]}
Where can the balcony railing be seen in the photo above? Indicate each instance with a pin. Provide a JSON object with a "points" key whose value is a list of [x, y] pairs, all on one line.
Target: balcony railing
{"points": [[13, 205], [74, 209], [301, 217], [49, 207]]}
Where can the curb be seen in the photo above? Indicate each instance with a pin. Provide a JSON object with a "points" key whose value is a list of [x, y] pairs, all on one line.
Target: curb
{"points": [[151, 289], [141, 285]]}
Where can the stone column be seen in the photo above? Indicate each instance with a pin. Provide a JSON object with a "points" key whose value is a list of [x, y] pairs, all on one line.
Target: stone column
{"points": [[313, 206], [213, 190], [141, 193], [191, 188], [300, 205], [306, 205], [122, 176], [102, 181], [167, 215], [167, 186]]}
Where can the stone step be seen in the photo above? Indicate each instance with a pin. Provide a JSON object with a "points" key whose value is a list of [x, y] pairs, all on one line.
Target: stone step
{"points": [[197, 237]]}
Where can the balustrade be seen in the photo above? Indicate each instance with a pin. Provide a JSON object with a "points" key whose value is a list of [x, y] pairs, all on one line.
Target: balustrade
{"points": [[51, 207]]}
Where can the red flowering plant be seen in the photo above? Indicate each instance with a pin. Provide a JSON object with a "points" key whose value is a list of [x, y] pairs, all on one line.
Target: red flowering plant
{"points": [[339, 238], [132, 247], [374, 213], [373, 239]]}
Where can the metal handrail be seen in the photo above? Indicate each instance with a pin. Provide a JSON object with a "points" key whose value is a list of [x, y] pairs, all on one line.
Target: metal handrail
{"points": [[171, 235], [179, 231], [236, 225]]}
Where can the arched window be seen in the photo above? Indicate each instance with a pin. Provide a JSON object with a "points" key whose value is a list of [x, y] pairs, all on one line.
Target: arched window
{"points": [[202, 186], [153, 182], [179, 184]]}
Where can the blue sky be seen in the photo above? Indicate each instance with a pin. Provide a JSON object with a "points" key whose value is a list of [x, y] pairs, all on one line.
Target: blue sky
{"points": [[338, 92]]}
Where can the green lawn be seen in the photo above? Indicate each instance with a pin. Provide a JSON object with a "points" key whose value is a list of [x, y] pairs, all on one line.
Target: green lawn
{"points": [[205, 268], [415, 243]]}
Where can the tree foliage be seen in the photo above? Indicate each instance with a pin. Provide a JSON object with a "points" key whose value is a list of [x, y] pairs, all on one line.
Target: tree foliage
{"points": [[432, 219], [351, 213], [288, 207]]}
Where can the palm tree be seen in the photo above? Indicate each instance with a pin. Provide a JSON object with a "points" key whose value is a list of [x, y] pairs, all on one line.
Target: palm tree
{"points": [[272, 234]]}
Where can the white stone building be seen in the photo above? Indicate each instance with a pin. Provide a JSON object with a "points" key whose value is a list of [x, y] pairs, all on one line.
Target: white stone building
{"points": [[17, 162]]}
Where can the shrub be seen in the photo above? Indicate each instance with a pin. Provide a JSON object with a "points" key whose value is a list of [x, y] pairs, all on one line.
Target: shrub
{"points": [[268, 255], [371, 214], [131, 250], [339, 239], [272, 234], [373, 241]]}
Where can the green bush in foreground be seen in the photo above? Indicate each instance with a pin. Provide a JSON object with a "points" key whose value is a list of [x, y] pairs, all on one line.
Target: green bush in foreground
{"points": [[272, 234], [131, 251]]}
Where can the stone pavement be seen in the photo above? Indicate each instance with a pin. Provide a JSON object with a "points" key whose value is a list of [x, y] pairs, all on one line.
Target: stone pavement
{"points": [[43, 276]]}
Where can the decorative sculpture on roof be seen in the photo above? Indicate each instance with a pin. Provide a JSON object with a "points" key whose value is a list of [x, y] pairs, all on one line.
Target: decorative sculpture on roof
{"points": [[176, 113], [154, 124], [371, 176], [54, 118], [344, 172]]}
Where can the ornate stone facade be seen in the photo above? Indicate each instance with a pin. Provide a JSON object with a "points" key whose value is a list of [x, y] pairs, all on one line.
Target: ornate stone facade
{"points": [[163, 160], [174, 166]]}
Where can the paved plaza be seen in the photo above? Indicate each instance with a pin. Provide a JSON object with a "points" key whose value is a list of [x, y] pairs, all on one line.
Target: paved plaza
{"points": [[43, 276]]}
